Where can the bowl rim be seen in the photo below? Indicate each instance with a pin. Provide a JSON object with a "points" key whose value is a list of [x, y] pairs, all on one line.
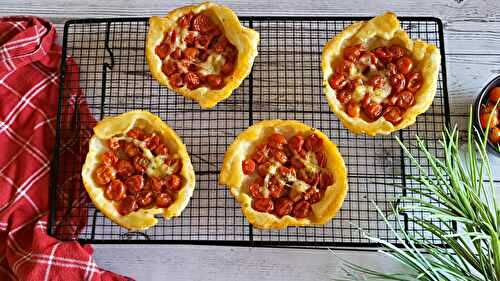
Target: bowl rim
{"points": [[495, 82]]}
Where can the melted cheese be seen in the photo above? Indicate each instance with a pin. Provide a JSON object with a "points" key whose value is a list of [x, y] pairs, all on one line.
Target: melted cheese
{"points": [[213, 64], [359, 93], [380, 95], [300, 186]]}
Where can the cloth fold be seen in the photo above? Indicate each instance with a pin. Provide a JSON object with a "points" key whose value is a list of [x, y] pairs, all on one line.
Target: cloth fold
{"points": [[29, 88]]}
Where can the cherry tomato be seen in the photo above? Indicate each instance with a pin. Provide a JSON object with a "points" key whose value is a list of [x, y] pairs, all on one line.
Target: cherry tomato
{"points": [[202, 23], [352, 53], [161, 150], [103, 174], [277, 140], [221, 44], [145, 198], [398, 82], [127, 205], [373, 111], [256, 190], [392, 99], [313, 179], [192, 80], [321, 158], [163, 200], [344, 97], [109, 158], [337, 81], [325, 180], [406, 99], [248, 166], [283, 206], [285, 171], [190, 53], [391, 69], [175, 163], [484, 117], [262, 205], [312, 195], [301, 209], [276, 188], [279, 156], [114, 144], [494, 95], [185, 20], [156, 184], [134, 183], [383, 54], [115, 190], [176, 54], [131, 149], [169, 67], [227, 68], [487, 108], [296, 163], [263, 168], [396, 51], [368, 58], [190, 39], [124, 168], [313, 143], [162, 50], [495, 135], [414, 82], [136, 133], [393, 114], [174, 183], [376, 81], [405, 65], [215, 81], [152, 141], [295, 143], [366, 100], [302, 175], [140, 163], [344, 67], [259, 157], [203, 41]]}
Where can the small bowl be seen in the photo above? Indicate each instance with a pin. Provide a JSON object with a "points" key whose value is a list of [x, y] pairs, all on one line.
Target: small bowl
{"points": [[482, 98]]}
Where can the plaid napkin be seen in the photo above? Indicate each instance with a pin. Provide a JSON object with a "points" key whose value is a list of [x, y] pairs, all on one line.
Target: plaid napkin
{"points": [[29, 87]]}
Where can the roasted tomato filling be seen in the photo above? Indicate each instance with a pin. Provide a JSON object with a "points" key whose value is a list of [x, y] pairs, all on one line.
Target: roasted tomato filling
{"points": [[375, 83], [196, 53], [287, 176], [491, 117], [139, 171]]}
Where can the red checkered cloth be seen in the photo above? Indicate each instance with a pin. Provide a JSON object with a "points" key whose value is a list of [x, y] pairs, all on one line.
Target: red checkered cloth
{"points": [[29, 87]]}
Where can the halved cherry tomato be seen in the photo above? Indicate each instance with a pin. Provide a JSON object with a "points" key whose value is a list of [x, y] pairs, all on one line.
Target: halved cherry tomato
{"points": [[227, 68], [376, 81], [131, 149], [156, 183], [285, 171], [392, 99], [352, 53], [185, 20], [161, 150], [277, 140], [203, 41], [263, 168], [256, 189], [494, 95], [176, 54], [391, 69], [115, 190], [163, 200], [124, 168], [221, 44], [190, 39], [127, 205], [414, 82], [398, 82], [136, 133], [495, 135], [313, 179], [114, 143], [140, 163], [176, 80], [259, 157], [162, 50], [192, 80], [152, 141], [296, 142], [190, 53], [145, 198], [175, 163], [169, 67], [366, 100], [301, 209], [202, 23], [283, 206], [325, 180], [405, 65], [406, 99], [312, 195], [383, 54], [174, 183], [302, 175], [344, 67], [248, 166], [296, 163], [484, 117], [393, 114], [313, 143], [321, 158], [344, 97], [279, 156], [109, 158], [368, 58], [373, 110], [337, 81], [276, 188], [262, 204], [134, 183], [103, 174], [214, 81]]}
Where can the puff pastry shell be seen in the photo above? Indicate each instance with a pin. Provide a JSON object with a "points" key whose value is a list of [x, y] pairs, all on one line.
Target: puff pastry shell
{"points": [[232, 175], [381, 31], [111, 126]]}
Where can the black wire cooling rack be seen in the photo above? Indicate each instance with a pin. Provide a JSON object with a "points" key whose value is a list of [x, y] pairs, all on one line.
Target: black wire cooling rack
{"points": [[285, 83]]}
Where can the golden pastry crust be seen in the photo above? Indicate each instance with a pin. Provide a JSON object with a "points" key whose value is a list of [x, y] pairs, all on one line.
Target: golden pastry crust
{"points": [[381, 31], [232, 175], [111, 126], [244, 39]]}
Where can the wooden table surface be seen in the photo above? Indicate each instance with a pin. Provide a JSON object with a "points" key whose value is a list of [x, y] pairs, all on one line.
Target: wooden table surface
{"points": [[472, 40]]}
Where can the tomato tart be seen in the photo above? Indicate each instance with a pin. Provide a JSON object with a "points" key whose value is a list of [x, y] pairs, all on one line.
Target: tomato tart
{"points": [[285, 173], [137, 167], [376, 79], [202, 52]]}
